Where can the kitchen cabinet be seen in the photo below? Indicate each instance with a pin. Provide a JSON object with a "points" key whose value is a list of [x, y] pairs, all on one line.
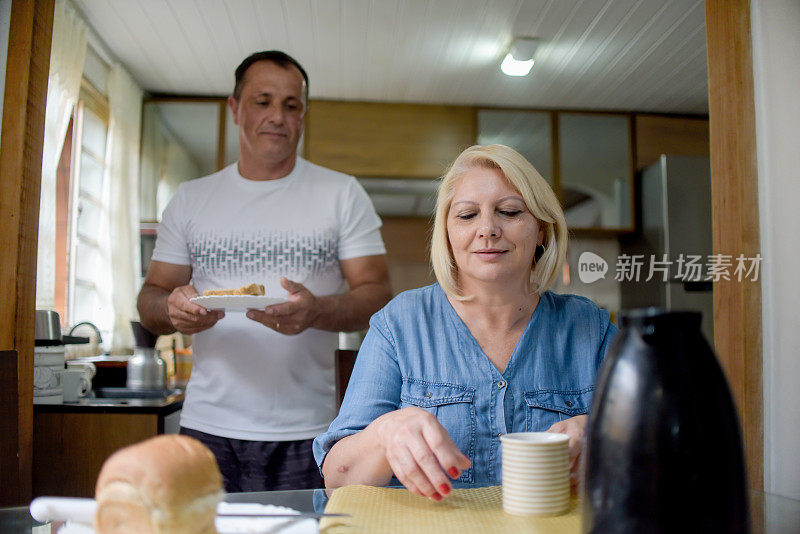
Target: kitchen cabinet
{"points": [[182, 139], [659, 134], [529, 132], [586, 157], [71, 441], [370, 139], [595, 170]]}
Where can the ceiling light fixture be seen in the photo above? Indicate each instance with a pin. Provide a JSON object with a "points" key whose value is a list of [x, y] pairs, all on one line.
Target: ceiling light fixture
{"points": [[519, 60]]}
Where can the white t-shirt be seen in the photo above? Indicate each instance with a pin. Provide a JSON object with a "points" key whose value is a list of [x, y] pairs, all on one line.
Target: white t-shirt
{"points": [[248, 381]]}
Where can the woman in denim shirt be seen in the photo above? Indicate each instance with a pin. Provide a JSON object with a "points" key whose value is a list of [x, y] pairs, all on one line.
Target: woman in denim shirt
{"points": [[445, 370]]}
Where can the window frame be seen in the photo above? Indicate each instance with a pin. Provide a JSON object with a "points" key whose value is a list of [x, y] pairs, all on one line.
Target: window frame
{"points": [[92, 100]]}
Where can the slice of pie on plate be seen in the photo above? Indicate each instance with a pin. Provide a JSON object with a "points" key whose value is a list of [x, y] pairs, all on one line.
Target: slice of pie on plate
{"points": [[251, 289]]}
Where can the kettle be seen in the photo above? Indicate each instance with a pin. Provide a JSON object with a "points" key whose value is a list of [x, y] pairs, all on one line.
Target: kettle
{"points": [[146, 369]]}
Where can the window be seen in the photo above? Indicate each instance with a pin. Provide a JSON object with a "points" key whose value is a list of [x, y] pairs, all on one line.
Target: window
{"points": [[89, 287]]}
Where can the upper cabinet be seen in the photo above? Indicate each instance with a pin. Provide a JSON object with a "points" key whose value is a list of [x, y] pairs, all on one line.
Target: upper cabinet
{"points": [[586, 158], [398, 150], [529, 132], [595, 162], [182, 139], [662, 134], [369, 139]]}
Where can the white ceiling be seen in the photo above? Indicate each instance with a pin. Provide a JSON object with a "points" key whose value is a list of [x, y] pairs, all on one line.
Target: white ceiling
{"points": [[637, 55]]}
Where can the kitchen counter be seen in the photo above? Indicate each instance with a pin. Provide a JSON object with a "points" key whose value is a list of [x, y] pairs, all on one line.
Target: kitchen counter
{"points": [[161, 406], [72, 440]]}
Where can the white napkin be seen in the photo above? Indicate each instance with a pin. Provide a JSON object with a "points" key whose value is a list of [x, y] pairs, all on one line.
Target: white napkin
{"points": [[237, 525]]}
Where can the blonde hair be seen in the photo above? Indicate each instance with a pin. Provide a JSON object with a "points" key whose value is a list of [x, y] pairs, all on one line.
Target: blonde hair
{"points": [[539, 199]]}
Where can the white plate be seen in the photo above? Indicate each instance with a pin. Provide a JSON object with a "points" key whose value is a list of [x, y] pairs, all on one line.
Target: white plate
{"points": [[236, 302]]}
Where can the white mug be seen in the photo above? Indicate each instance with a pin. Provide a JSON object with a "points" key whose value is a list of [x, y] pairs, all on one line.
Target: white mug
{"points": [[87, 367], [76, 384]]}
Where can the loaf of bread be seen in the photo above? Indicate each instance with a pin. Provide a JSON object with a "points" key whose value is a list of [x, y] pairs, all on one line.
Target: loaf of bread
{"points": [[252, 289], [169, 484]]}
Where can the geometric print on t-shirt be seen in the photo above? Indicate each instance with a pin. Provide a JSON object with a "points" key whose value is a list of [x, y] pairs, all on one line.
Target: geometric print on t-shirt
{"points": [[282, 253]]}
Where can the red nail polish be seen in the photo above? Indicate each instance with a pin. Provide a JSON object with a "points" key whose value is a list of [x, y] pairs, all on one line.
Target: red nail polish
{"points": [[453, 472], [444, 489], [436, 497]]}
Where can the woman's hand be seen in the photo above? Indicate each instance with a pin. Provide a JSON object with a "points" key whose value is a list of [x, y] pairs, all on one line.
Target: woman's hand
{"points": [[420, 452], [575, 428]]}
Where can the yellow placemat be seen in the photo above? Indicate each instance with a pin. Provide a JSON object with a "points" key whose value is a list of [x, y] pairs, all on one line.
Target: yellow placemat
{"points": [[396, 510]]}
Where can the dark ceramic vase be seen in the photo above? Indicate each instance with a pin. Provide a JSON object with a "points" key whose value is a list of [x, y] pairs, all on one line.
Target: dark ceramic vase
{"points": [[664, 451]]}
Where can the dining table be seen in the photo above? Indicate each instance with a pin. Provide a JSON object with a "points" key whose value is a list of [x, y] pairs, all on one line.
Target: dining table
{"points": [[770, 513]]}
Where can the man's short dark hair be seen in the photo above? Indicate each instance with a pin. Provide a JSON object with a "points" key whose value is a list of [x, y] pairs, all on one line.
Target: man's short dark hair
{"points": [[277, 57]]}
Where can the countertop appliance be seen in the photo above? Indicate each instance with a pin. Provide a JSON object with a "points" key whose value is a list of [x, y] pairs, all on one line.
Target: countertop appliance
{"points": [[47, 330], [675, 220], [146, 369], [47, 327], [49, 357]]}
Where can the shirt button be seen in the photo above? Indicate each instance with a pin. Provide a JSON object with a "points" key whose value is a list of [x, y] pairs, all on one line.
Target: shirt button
{"points": [[569, 404], [499, 434], [501, 384]]}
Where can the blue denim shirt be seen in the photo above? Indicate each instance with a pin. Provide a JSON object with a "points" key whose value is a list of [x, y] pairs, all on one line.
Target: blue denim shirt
{"points": [[418, 352]]}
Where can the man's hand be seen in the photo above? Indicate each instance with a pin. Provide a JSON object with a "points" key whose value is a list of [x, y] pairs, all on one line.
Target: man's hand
{"points": [[291, 317], [575, 428], [420, 451], [188, 317]]}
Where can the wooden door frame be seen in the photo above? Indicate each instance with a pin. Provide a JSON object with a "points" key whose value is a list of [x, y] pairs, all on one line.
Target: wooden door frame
{"points": [[737, 306], [734, 198], [27, 67]]}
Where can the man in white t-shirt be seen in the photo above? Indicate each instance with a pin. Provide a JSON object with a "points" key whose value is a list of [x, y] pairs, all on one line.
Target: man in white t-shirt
{"points": [[262, 382]]}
